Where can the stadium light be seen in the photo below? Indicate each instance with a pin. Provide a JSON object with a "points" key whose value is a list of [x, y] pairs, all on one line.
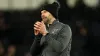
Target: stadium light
{"points": [[91, 3], [50, 1], [71, 3], [37, 3], [3, 4]]}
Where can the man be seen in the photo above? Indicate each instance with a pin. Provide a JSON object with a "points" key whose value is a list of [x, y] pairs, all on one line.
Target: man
{"points": [[53, 38]]}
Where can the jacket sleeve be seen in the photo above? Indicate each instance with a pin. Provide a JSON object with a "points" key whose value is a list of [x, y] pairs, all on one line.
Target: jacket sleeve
{"points": [[62, 40], [35, 48]]}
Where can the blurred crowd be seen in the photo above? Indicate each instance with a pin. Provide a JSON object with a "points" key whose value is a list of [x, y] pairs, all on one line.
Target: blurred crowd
{"points": [[10, 45]]}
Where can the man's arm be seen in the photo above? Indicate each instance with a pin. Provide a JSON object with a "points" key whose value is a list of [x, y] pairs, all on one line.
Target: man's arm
{"points": [[35, 48], [62, 40]]}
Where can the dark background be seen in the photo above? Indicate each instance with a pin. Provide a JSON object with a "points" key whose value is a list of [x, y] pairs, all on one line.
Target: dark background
{"points": [[16, 29]]}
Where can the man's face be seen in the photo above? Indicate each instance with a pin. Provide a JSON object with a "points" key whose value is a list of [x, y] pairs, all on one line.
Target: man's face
{"points": [[45, 16]]}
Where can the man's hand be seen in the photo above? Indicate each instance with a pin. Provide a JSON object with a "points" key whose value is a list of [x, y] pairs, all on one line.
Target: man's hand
{"points": [[41, 28], [36, 26]]}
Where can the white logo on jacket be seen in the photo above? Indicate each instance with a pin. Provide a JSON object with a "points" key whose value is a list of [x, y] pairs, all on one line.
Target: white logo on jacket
{"points": [[54, 31]]}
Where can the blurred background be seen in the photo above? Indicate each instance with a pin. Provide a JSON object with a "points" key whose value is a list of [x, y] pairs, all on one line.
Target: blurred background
{"points": [[18, 16]]}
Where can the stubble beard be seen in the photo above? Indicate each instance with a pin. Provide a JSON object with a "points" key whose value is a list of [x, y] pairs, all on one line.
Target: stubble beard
{"points": [[46, 20]]}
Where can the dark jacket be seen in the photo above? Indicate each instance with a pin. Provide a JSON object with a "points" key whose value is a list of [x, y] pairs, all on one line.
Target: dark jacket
{"points": [[56, 43]]}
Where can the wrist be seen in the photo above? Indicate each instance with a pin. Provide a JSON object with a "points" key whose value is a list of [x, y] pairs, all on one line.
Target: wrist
{"points": [[45, 33]]}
